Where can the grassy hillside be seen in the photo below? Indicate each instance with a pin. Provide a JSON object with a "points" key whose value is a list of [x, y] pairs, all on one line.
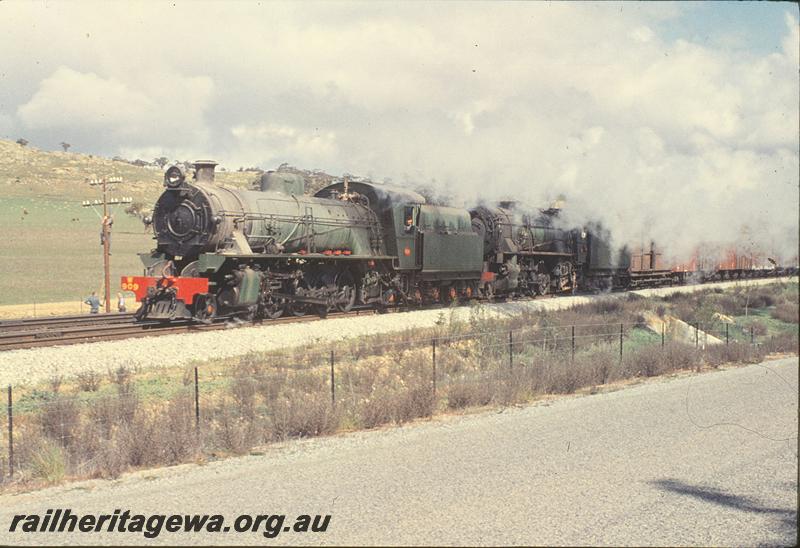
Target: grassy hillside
{"points": [[32, 173], [51, 245]]}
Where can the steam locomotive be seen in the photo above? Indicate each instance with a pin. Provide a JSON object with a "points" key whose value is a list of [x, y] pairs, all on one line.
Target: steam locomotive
{"points": [[261, 254]]}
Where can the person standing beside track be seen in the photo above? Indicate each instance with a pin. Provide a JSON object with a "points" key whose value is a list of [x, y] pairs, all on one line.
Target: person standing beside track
{"points": [[94, 303]]}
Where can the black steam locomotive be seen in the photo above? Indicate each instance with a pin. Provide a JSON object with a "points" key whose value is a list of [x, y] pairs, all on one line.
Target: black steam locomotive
{"points": [[256, 254]]}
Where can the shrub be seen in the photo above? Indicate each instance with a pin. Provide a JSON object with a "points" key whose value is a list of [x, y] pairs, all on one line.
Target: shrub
{"points": [[299, 414], [786, 312], [784, 342], [604, 365], [563, 376], [138, 443], [243, 392], [650, 361], [229, 430], [395, 403], [179, 434], [271, 384], [729, 305], [645, 362], [762, 299], [48, 462], [605, 306], [110, 461], [759, 327], [467, 392], [734, 352], [55, 383], [59, 420], [121, 376], [413, 402], [679, 356], [88, 381]]}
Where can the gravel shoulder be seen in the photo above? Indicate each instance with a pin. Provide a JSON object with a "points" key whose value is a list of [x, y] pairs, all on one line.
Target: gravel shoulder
{"points": [[25, 367], [708, 459]]}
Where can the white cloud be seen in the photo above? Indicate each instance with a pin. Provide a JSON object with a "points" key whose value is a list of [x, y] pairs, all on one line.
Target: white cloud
{"points": [[642, 34], [6, 125], [791, 44], [168, 108], [273, 144], [673, 138]]}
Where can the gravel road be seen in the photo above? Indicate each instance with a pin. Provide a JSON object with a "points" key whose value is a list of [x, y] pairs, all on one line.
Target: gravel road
{"points": [[707, 459], [21, 367]]}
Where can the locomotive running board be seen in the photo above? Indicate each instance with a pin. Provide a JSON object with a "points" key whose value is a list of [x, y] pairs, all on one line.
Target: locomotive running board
{"points": [[543, 253], [298, 299], [310, 256]]}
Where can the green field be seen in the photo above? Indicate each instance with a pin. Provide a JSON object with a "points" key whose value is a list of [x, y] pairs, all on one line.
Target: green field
{"points": [[46, 256], [53, 253]]}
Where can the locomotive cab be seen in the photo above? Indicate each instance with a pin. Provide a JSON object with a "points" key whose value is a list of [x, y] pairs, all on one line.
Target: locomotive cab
{"points": [[403, 220]]}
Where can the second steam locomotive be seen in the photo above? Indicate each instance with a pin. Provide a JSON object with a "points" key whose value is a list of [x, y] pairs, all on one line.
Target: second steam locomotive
{"points": [[259, 254]]}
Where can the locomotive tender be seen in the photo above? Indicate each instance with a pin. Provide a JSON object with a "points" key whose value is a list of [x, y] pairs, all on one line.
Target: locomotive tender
{"points": [[249, 254]]}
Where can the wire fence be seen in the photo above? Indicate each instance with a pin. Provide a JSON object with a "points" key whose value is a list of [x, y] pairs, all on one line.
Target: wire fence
{"points": [[99, 426]]}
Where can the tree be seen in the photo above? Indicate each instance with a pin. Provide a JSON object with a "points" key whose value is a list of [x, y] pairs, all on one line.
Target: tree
{"points": [[138, 209], [161, 161], [65, 145], [22, 142]]}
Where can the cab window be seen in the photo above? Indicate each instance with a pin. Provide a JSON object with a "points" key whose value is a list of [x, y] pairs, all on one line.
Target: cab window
{"points": [[408, 218]]}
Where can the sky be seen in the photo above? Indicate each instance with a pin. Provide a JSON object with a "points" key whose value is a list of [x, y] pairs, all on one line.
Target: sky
{"points": [[673, 121]]}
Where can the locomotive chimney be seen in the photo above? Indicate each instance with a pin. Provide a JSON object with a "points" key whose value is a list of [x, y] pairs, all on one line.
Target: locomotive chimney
{"points": [[204, 171]]}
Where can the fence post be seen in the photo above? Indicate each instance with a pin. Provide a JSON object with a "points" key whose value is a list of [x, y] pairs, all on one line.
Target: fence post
{"points": [[573, 343], [752, 335], [510, 349], [333, 382], [196, 400], [10, 435], [727, 336], [433, 358], [620, 342], [663, 332], [696, 334]]}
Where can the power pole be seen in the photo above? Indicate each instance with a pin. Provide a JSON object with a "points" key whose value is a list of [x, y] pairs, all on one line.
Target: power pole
{"points": [[106, 222]]}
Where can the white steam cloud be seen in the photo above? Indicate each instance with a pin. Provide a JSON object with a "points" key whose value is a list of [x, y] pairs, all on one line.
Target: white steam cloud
{"points": [[657, 137]]}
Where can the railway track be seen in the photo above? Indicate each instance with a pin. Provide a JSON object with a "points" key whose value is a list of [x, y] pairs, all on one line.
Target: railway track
{"points": [[60, 321], [66, 330]]}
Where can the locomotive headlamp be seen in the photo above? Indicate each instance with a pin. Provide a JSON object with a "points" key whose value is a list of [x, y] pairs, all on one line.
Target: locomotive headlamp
{"points": [[174, 177]]}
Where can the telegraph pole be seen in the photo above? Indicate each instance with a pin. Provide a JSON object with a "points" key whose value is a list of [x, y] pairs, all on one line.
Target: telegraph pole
{"points": [[106, 222]]}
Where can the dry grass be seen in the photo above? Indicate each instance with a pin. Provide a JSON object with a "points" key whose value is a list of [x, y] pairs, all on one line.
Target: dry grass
{"points": [[101, 427]]}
